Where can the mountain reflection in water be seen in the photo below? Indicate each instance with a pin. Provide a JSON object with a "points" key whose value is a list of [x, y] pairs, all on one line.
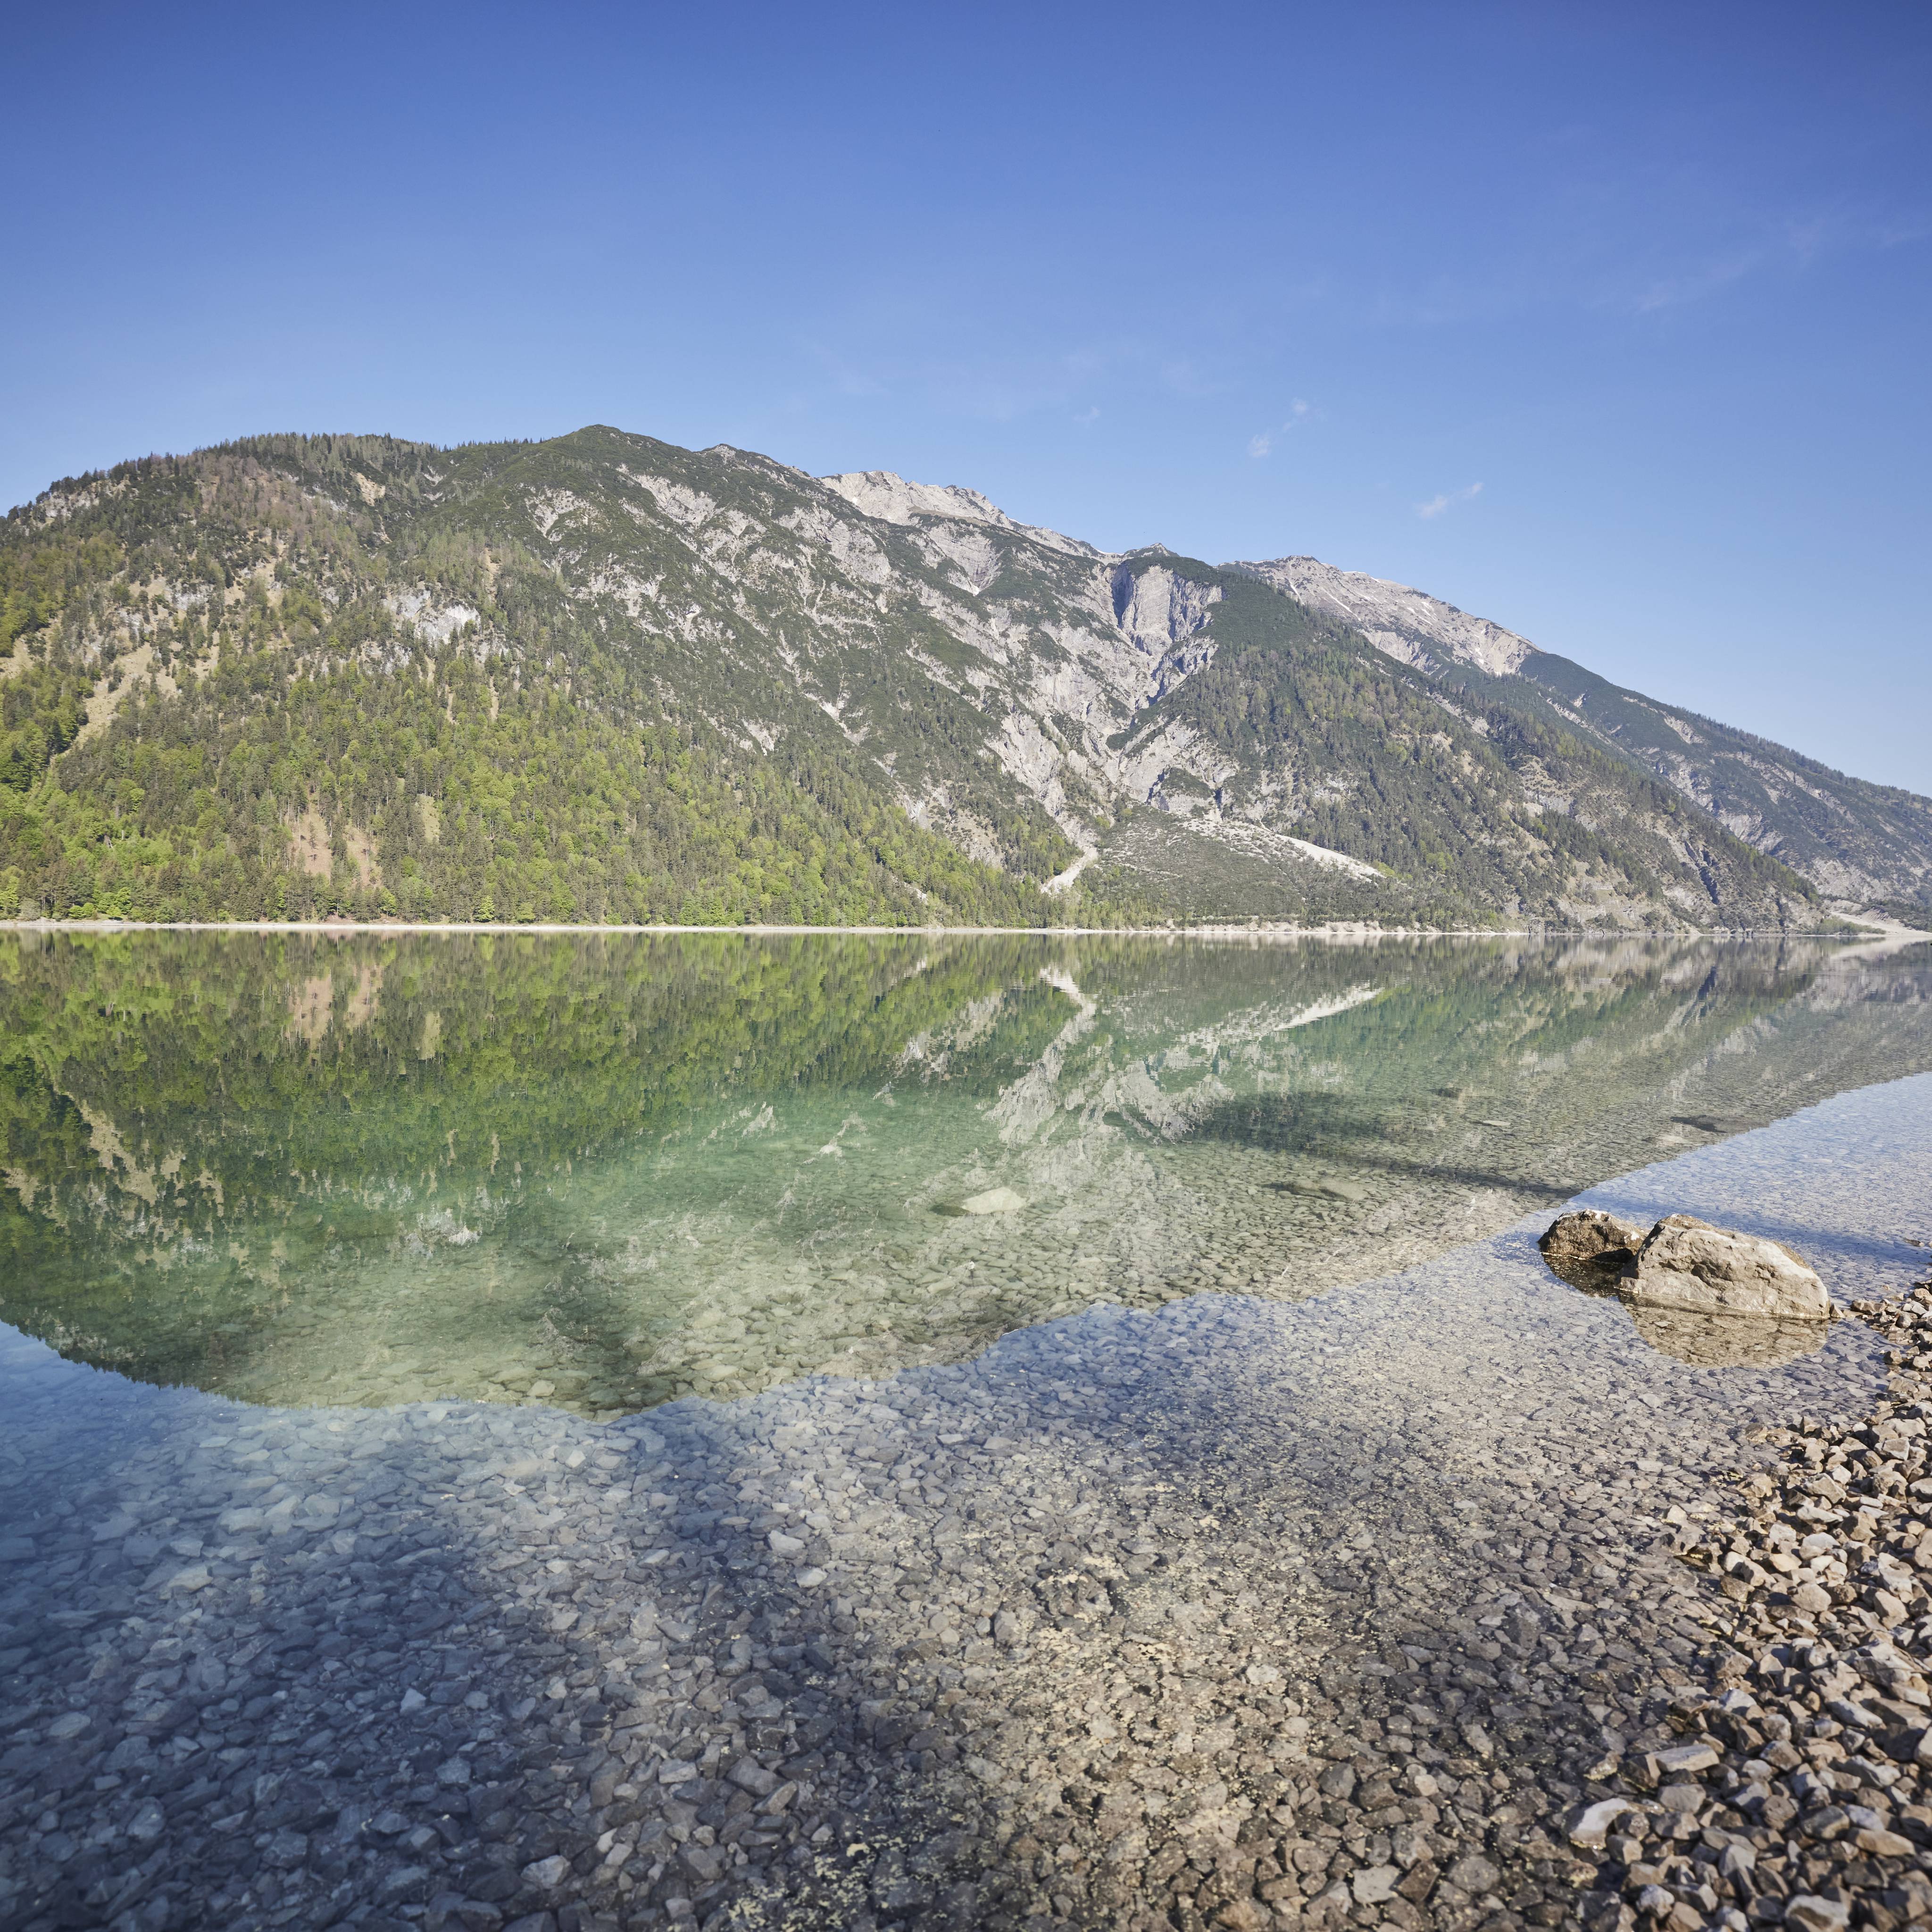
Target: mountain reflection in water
{"points": [[602, 1171]]}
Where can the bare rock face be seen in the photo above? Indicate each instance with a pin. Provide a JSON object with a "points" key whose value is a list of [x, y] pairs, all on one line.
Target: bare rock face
{"points": [[1686, 1264], [1409, 625], [1588, 1247], [994, 1201]]}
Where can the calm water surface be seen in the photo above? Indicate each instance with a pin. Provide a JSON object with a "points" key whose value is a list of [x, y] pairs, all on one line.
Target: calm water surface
{"points": [[605, 1172]]}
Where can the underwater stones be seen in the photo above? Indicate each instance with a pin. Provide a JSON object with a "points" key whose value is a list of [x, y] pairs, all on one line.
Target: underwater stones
{"points": [[1684, 1263], [1142, 1655], [994, 1201], [1325, 1187], [1707, 1341]]}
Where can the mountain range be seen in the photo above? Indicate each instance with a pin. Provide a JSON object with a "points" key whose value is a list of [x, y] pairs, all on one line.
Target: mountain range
{"points": [[602, 678]]}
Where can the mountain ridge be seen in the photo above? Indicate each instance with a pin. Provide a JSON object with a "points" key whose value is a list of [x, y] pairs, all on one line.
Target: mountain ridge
{"points": [[1828, 824], [599, 677], [1406, 624], [1445, 643]]}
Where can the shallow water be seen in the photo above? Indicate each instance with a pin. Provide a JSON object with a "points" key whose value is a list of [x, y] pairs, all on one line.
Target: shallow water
{"points": [[600, 1173], [1016, 1633]]}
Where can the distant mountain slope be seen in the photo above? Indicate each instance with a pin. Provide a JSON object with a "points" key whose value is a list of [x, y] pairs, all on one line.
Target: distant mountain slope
{"points": [[1858, 843], [879, 493], [602, 677], [1410, 625]]}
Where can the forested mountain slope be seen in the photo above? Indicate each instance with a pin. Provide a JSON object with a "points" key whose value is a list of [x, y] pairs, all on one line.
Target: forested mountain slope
{"points": [[1861, 844], [603, 678]]}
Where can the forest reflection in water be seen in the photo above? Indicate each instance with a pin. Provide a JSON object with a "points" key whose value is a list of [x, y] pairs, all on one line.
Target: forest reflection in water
{"points": [[602, 1171]]}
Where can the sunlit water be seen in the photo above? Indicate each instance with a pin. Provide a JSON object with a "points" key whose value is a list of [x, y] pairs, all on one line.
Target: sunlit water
{"points": [[605, 1172]]}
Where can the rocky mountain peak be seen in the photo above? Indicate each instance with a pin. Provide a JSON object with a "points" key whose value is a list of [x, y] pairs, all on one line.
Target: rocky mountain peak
{"points": [[893, 499], [1408, 624]]}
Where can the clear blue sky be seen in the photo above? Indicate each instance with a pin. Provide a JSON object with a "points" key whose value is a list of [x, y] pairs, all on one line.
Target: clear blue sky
{"points": [[1248, 279]]}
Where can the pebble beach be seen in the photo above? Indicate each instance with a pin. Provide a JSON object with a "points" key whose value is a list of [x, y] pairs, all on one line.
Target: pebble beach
{"points": [[1232, 1612]]}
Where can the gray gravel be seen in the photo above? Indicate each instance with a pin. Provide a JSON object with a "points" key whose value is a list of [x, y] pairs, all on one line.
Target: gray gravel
{"points": [[1233, 1612], [1798, 1788]]}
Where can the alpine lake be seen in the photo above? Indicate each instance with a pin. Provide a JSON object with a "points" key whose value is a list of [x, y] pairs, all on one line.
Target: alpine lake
{"points": [[603, 1172]]}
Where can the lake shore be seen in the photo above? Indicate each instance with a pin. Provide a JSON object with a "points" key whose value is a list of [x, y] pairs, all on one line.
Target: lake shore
{"points": [[1231, 1611], [1340, 930]]}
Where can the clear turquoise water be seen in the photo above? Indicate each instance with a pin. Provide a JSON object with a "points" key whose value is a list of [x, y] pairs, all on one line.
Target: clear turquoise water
{"points": [[605, 1171]]}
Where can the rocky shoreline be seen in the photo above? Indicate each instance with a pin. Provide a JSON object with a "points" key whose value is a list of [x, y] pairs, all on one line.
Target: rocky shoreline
{"points": [[1229, 1613], [1800, 1794]]}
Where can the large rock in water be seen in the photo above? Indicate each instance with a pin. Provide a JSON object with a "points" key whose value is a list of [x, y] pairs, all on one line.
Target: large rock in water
{"points": [[1589, 1243], [1686, 1264]]}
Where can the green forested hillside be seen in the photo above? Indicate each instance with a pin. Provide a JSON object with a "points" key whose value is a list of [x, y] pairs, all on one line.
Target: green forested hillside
{"points": [[273, 742], [1854, 840], [602, 678]]}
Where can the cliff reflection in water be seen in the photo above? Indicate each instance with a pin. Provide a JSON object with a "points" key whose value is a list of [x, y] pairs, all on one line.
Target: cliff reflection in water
{"points": [[604, 1172]]}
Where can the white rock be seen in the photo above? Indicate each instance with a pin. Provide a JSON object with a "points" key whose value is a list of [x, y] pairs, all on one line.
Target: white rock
{"points": [[994, 1201], [893, 499], [1408, 624], [1812, 1914]]}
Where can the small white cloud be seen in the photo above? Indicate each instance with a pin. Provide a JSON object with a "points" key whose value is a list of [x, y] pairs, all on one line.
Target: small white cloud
{"points": [[1706, 281], [1091, 414], [1298, 412], [1437, 505]]}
